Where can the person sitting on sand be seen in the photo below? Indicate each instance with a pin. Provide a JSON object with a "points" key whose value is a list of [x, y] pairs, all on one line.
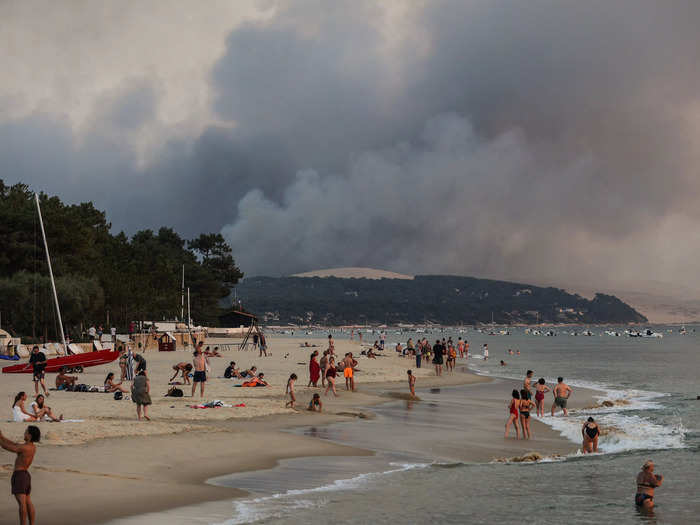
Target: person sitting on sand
{"points": [[371, 354], [19, 413], [647, 481], [524, 406], [561, 395], [41, 411], [316, 405], [231, 371], [141, 394], [212, 353], [183, 368], [540, 390], [503, 363], [590, 433], [513, 414], [64, 381], [290, 391], [250, 373], [256, 381], [411, 383], [111, 386]]}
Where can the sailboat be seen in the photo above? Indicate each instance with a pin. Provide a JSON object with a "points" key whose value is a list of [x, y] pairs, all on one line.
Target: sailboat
{"points": [[78, 359]]}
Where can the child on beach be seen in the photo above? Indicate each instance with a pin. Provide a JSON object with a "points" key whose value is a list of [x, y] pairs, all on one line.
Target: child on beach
{"points": [[316, 405], [540, 390], [290, 390], [525, 405], [513, 414], [411, 383]]}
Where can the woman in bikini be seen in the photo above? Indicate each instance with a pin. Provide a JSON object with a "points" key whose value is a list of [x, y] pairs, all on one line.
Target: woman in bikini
{"points": [[540, 390], [590, 433], [330, 377], [647, 481], [513, 414], [525, 405]]}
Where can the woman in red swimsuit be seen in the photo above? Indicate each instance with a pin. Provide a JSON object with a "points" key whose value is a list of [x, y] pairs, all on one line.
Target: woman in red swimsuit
{"points": [[513, 414], [541, 389]]}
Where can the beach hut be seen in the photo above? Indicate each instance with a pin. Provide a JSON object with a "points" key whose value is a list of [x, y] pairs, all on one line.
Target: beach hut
{"points": [[166, 342]]}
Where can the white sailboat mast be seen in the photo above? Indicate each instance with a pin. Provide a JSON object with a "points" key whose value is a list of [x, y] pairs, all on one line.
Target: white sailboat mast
{"points": [[53, 283]]}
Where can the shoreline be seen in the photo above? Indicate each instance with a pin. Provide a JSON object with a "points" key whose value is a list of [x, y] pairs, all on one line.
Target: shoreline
{"points": [[123, 476]]}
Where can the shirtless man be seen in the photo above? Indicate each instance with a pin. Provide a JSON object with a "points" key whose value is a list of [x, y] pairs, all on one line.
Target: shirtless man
{"points": [[561, 395], [411, 383], [349, 371], [21, 480], [64, 380], [200, 370], [647, 481], [184, 369], [526, 383]]}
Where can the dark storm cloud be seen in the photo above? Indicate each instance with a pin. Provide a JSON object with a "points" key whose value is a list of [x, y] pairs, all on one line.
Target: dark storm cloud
{"points": [[500, 138]]}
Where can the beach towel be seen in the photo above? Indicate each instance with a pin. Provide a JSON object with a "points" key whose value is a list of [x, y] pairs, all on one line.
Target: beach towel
{"points": [[129, 366]]}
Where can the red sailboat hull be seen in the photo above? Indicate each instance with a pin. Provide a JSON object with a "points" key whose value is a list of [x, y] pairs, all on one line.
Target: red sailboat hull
{"points": [[101, 357]]}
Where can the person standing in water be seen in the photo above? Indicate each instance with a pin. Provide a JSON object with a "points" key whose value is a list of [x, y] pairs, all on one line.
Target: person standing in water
{"points": [[561, 396], [524, 406], [411, 383], [21, 479], [647, 482], [590, 433], [290, 391]]}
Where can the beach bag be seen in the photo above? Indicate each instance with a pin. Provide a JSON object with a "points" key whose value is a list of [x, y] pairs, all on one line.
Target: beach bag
{"points": [[118, 396], [175, 392]]}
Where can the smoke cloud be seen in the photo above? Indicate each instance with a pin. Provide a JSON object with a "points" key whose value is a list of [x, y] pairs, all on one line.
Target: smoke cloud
{"points": [[553, 141]]}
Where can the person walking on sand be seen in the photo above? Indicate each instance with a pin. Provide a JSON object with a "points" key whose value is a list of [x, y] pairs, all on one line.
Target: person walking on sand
{"points": [[38, 362], [486, 351], [524, 406], [540, 390], [590, 433], [513, 414], [141, 394], [647, 482], [290, 391], [200, 370], [330, 377], [323, 364], [21, 481], [263, 345], [411, 383], [561, 392]]}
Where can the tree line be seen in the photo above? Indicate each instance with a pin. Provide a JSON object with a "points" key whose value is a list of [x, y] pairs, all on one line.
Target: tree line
{"points": [[100, 274]]}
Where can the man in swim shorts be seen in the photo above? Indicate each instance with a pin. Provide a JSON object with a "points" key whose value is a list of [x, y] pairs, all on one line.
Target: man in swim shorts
{"points": [[21, 479], [647, 481], [561, 392], [526, 384], [348, 372], [200, 370]]}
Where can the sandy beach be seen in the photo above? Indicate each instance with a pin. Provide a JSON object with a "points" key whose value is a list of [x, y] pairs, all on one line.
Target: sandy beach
{"points": [[110, 465]]}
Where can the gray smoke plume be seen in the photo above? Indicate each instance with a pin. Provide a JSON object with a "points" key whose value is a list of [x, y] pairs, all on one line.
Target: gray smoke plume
{"points": [[553, 141]]}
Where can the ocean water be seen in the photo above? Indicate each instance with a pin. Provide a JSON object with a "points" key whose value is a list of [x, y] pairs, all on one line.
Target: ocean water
{"points": [[413, 479]]}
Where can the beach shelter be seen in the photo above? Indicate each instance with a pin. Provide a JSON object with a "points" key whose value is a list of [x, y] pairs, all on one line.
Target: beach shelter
{"points": [[166, 342]]}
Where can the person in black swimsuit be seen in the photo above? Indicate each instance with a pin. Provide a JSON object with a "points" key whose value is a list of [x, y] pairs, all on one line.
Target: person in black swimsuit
{"points": [[590, 433], [647, 481]]}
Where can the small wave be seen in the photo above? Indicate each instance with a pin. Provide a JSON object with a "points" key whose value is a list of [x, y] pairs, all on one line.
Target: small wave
{"points": [[281, 504]]}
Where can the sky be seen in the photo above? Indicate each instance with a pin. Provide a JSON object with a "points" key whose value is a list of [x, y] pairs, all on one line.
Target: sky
{"points": [[553, 141]]}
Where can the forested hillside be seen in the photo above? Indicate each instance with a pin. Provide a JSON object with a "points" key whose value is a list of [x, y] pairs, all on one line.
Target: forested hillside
{"points": [[131, 277], [426, 299]]}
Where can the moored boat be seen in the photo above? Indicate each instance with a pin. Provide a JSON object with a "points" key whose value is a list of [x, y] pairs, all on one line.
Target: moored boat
{"points": [[101, 357]]}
